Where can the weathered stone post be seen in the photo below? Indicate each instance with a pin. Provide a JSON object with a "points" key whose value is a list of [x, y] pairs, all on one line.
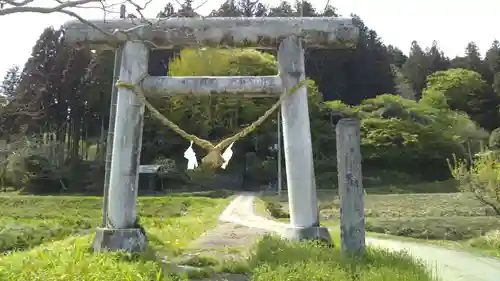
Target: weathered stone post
{"points": [[352, 218], [111, 127], [110, 136], [121, 232], [297, 145]]}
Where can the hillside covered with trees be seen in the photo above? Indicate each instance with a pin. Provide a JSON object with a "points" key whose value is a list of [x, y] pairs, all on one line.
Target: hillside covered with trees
{"points": [[416, 111]]}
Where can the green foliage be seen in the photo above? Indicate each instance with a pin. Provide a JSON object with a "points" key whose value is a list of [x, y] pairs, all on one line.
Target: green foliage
{"points": [[462, 88], [481, 177], [490, 242], [340, 108], [398, 143], [397, 133], [222, 62], [27, 169], [494, 141], [434, 98]]}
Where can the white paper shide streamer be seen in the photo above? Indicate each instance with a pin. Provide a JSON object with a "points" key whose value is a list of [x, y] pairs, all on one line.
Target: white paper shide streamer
{"points": [[228, 153], [190, 155]]}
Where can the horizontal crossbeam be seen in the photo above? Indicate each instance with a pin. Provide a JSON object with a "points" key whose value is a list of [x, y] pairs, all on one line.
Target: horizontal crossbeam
{"points": [[198, 85], [233, 32]]}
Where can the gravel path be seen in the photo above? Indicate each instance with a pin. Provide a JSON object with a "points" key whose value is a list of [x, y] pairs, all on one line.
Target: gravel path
{"points": [[450, 265]]}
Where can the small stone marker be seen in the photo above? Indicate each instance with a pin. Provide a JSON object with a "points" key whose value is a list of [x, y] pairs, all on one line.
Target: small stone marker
{"points": [[352, 218]]}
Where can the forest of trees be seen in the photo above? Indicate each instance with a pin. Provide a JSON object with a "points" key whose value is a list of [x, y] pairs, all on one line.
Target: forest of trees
{"points": [[417, 111]]}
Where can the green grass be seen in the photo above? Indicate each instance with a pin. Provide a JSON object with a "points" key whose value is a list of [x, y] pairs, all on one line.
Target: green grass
{"points": [[27, 221], [70, 259], [48, 237], [276, 259]]}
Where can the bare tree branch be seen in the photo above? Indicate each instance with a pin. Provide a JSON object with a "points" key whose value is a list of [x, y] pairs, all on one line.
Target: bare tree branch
{"points": [[21, 7], [18, 4]]}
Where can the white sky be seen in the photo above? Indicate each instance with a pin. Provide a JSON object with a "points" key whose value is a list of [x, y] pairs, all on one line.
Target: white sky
{"points": [[452, 23]]}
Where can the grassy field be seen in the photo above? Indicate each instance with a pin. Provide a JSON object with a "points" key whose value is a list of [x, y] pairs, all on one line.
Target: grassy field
{"points": [[47, 238], [454, 219]]}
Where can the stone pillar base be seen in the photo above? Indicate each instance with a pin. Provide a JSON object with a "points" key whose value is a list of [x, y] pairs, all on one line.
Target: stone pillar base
{"points": [[130, 240], [319, 233]]}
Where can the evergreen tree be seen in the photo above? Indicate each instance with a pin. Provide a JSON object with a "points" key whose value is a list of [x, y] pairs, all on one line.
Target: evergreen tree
{"points": [[10, 82], [398, 58], [473, 57], [492, 57], [436, 59], [416, 68], [40, 84], [284, 9]]}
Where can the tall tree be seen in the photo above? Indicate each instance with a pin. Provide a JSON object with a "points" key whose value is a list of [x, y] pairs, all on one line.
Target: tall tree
{"points": [[492, 57], [305, 9], [473, 57], [416, 68], [284, 9], [398, 58], [40, 83], [436, 59]]}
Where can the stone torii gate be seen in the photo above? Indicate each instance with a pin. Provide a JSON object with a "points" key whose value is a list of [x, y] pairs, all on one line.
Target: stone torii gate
{"points": [[288, 33]]}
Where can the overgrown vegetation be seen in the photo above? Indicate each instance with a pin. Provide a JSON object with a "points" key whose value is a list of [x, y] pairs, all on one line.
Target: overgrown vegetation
{"points": [[171, 222], [275, 259], [480, 178], [489, 242]]}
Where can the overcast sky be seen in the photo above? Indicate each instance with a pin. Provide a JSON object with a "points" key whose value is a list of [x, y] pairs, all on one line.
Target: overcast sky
{"points": [[452, 23]]}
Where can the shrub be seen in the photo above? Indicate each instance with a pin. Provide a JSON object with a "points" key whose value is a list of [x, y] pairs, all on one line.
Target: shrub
{"points": [[406, 145], [459, 88], [28, 170], [494, 141], [490, 240], [481, 177], [275, 209]]}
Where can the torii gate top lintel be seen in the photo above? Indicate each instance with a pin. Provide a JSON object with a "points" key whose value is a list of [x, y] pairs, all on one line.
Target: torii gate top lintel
{"points": [[234, 32]]}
